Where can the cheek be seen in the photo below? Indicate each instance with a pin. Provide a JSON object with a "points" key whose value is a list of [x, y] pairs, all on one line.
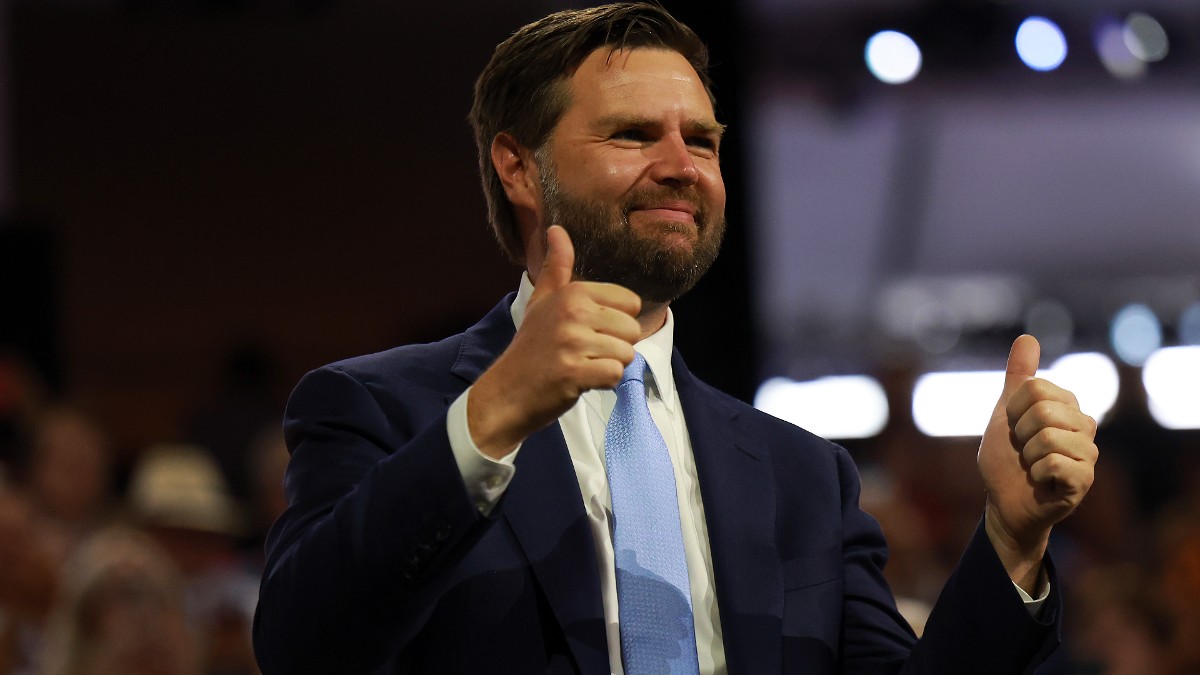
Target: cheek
{"points": [[603, 176], [714, 185]]}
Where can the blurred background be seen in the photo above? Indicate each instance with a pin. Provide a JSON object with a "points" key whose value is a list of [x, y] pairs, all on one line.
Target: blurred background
{"points": [[200, 200]]}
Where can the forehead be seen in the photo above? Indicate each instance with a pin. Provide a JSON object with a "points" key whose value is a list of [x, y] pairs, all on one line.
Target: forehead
{"points": [[641, 82]]}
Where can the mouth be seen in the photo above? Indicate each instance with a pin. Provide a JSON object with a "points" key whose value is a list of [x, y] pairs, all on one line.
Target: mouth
{"points": [[680, 212]]}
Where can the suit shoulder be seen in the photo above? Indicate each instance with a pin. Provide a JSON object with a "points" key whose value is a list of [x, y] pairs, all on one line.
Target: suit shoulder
{"points": [[415, 359], [421, 365], [469, 352]]}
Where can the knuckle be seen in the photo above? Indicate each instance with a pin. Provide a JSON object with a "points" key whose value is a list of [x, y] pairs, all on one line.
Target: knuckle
{"points": [[1050, 466], [1048, 437], [1039, 389], [558, 368], [573, 310], [1058, 462], [574, 341], [1047, 410]]}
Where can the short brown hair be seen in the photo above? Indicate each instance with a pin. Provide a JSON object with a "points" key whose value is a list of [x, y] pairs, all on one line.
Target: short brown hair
{"points": [[523, 91]]}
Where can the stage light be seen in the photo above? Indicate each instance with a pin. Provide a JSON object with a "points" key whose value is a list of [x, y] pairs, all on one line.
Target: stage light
{"points": [[837, 407], [1041, 44], [1091, 376], [893, 57], [1145, 37], [957, 403], [960, 403], [1113, 49], [1171, 378], [1135, 334]]}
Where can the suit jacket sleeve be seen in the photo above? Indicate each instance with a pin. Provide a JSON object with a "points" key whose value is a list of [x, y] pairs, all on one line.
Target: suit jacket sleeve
{"points": [[377, 508], [979, 625]]}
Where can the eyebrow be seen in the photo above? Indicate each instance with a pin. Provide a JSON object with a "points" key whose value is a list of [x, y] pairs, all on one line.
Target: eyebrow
{"points": [[691, 126]]}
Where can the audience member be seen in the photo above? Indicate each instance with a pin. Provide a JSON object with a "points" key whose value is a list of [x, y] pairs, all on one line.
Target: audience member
{"points": [[69, 475], [121, 612], [181, 498]]}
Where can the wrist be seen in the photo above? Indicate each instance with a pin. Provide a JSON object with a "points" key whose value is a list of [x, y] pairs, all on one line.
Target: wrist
{"points": [[486, 413], [1021, 556]]}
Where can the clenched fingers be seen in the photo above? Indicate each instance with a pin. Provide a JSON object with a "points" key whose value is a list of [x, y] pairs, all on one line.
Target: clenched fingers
{"points": [[1072, 445], [1033, 391], [1071, 478], [1052, 414]]}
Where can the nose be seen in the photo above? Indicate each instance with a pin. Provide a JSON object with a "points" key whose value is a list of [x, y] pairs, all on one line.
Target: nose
{"points": [[673, 162]]}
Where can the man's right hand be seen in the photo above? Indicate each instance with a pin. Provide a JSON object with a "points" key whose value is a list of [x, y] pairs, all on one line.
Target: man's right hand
{"points": [[576, 336]]}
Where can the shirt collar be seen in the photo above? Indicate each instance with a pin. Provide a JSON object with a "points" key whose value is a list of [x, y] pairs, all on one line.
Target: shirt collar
{"points": [[656, 348]]}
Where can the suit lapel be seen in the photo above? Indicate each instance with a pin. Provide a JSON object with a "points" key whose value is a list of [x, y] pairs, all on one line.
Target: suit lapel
{"points": [[484, 341], [544, 508], [737, 487]]}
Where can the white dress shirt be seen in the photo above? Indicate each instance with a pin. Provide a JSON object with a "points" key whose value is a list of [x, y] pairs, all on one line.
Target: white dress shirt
{"points": [[583, 428]]}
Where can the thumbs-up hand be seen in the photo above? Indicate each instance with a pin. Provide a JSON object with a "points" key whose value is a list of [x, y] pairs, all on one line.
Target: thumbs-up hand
{"points": [[1037, 458], [558, 267], [576, 336]]}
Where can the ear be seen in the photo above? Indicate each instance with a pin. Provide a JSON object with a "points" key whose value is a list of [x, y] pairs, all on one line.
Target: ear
{"points": [[517, 170]]}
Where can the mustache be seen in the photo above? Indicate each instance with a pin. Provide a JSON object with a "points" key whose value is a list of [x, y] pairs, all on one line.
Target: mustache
{"points": [[650, 196]]}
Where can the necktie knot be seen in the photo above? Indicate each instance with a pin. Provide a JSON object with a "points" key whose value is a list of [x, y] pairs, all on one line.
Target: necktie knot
{"points": [[635, 371]]}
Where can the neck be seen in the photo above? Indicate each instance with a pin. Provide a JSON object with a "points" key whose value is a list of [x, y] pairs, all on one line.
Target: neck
{"points": [[652, 318]]}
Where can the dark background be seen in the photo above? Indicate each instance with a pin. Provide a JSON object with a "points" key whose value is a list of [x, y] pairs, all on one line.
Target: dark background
{"points": [[189, 178]]}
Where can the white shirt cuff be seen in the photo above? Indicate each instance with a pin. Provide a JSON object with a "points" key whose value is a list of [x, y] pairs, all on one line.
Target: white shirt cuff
{"points": [[486, 478], [1034, 605]]}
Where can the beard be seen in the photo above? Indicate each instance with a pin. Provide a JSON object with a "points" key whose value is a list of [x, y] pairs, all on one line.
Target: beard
{"points": [[608, 249]]}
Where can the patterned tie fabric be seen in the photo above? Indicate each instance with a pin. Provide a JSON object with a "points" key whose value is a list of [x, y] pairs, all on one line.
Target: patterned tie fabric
{"points": [[653, 593]]}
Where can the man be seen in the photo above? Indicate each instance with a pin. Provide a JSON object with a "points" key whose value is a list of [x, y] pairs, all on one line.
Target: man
{"points": [[454, 506]]}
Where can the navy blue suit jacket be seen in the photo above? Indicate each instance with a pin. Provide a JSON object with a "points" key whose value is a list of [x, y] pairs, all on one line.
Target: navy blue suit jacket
{"points": [[382, 564]]}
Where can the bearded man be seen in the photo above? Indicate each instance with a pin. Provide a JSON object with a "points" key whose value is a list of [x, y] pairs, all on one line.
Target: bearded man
{"points": [[553, 491]]}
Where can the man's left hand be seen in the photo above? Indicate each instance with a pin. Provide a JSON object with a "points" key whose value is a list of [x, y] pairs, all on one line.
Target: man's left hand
{"points": [[1037, 458]]}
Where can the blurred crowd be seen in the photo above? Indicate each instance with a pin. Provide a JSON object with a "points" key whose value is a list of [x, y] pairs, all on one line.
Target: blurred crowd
{"points": [[1128, 559], [148, 562], [119, 563]]}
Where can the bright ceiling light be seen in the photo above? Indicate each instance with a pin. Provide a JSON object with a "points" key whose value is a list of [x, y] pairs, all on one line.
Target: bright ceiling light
{"points": [[893, 57], [956, 403], [1172, 380], [837, 407], [1091, 376], [1041, 44], [960, 403]]}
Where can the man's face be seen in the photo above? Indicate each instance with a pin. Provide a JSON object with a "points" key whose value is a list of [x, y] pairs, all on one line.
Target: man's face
{"points": [[631, 172]]}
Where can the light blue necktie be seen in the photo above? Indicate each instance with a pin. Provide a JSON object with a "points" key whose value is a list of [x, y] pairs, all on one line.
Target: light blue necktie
{"points": [[653, 593]]}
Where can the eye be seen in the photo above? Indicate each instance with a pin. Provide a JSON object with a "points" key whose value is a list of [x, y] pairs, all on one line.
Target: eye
{"points": [[634, 135], [704, 145]]}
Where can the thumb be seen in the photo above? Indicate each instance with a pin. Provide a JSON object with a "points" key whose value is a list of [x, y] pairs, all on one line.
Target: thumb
{"points": [[558, 266], [1022, 364]]}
